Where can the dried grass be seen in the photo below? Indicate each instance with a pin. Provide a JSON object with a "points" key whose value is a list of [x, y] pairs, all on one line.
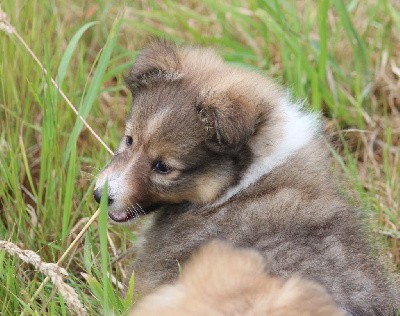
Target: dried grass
{"points": [[55, 273]]}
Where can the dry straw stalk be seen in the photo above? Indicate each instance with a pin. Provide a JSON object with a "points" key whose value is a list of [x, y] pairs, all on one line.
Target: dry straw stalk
{"points": [[54, 272]]}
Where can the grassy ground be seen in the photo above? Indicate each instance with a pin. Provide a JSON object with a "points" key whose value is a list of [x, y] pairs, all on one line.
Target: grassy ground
{"points": [[342, 56]]}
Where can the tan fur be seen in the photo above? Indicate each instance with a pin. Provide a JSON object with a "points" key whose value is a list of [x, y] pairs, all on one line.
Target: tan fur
{"points": [[222, 280], [246, 165], [207, 189]]}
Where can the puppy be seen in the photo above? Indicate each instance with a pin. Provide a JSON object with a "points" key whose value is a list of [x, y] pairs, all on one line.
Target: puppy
{"points": [[217, 151], [222, 280]]}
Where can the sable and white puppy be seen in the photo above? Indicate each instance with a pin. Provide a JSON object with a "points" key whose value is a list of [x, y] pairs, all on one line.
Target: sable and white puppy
{"points": [[223, 280], [222, 152]]}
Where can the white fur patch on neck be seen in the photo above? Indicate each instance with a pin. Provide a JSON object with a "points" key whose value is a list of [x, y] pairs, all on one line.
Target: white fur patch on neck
{"points": [[297, 129]]}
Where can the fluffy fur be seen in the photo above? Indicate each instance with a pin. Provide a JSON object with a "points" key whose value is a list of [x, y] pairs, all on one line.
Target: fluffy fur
{"points": [[222, 280], [221, 152]]}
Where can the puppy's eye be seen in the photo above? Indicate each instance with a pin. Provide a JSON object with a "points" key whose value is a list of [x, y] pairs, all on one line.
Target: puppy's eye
{"points": [[161, 167], [128, 140]]}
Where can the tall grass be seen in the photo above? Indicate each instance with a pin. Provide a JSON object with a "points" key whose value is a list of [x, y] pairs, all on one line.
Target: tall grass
{"points": [[342, 56]]}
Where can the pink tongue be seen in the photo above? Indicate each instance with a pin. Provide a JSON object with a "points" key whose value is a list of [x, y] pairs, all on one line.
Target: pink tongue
{"points": [[120, 216]]}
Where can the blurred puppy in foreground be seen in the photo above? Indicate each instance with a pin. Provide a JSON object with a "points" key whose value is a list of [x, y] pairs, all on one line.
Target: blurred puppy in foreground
{"points": [[222, 280]]}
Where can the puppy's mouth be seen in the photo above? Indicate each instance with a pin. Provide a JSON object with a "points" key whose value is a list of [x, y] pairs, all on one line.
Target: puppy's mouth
{"points": [[131, 213]]}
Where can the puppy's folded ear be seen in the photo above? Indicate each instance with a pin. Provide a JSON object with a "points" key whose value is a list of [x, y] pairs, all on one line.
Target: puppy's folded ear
{"points": [[229, 118], [160, 60]]}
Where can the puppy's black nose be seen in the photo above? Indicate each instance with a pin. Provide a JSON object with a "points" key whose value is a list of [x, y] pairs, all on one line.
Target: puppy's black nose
{"points": [[97, 196]]}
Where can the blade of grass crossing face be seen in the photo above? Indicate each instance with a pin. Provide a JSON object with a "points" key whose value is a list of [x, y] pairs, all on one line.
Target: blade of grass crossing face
{"points": [[104, 250], [94, 87]]}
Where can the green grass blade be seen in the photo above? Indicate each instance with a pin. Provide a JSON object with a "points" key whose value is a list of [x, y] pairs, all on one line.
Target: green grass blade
{"points": [[94, 87], [103, 216], [355, 40], [323, 7], [129, 293], [69, 192], [66, 58]]}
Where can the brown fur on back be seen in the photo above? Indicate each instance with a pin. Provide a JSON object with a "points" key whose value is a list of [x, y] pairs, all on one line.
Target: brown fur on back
{"points": [[222, 280]]}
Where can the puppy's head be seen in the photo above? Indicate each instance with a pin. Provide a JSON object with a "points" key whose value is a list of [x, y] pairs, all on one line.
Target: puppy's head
{"points": [[186, 136]]}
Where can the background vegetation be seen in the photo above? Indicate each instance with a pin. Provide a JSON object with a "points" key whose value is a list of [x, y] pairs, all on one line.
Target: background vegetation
{"points": [[342, 56]]}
